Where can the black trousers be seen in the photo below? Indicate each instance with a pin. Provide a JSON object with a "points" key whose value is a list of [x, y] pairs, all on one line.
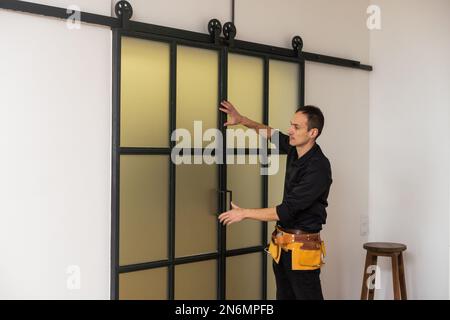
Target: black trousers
{"points": [[296, 284]]}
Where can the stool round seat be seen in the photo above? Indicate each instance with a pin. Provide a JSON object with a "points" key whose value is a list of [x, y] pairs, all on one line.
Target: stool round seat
{"points": [[384, 247]]}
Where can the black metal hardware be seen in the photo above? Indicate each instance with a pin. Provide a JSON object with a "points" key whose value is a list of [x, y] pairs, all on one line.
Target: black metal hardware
{"points": [[182, 35], [297, 44], [224, 194], [229, 31], [215, 29], [124, 11]]}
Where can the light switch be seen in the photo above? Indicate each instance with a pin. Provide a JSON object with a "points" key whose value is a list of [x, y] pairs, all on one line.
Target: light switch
{"points": [[364, 226]]}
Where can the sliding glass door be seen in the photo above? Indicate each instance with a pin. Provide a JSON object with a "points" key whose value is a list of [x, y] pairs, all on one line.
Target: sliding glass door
{"points": [[176, 169]]}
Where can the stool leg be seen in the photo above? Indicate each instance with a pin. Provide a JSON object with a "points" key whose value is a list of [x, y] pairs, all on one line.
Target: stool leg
{"points": [[365, 277], [395, 276], [402, 276], [373, 263]]}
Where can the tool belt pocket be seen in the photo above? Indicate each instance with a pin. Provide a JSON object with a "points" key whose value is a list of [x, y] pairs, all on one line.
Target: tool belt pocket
{"points": [[308, 255], [274, 251]]}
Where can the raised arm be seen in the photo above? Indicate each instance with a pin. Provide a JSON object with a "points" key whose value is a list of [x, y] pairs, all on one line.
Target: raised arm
{"points": [[236, 118]]}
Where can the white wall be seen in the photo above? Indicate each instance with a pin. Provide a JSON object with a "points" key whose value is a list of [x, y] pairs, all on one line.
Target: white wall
{"points": [[343, 95], [55, 135], [409, 142]]}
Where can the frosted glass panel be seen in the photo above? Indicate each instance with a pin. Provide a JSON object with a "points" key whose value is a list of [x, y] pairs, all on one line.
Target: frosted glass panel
{"points": [[283, 93], [197, 88], [196, 281], [143, 285], [276, 182], [144, 185], [275, 197], [246, 183], [196, 208], [244, 277], [144, 93], [271, 283], [245, 89]]}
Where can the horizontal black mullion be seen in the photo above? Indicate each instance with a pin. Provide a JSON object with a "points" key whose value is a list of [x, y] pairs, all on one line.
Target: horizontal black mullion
{"points": [[166, 263], [242, 151], [196, 258], [245, 52], [263, 55], [168, 39], [230, 151], [262, 48], [148, 151], [247, 151], [189, 151], [144, 266], [169, 32], [200, 45], [241, 251], [189, 259]]}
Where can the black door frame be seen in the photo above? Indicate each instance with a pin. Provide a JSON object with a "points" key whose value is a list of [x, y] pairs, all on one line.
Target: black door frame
{"points": [[222, 252]]}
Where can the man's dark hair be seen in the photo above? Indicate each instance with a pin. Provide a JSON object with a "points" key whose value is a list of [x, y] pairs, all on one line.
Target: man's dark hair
{"points": [[315, 117]]}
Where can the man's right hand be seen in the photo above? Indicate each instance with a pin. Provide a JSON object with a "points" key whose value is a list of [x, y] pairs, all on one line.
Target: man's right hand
{"points": [[234, 116]]}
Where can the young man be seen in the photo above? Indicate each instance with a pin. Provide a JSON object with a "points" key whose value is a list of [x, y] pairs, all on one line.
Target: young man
{"points": [[295, 246]]}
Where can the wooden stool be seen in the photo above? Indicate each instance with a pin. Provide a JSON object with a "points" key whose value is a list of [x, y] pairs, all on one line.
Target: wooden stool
{"points": [[386, 249]]}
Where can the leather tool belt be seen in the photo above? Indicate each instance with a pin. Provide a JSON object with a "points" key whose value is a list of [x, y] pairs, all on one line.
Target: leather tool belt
{"points": [[308, 250]]}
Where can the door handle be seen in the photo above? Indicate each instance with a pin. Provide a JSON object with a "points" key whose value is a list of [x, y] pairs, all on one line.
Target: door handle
{"points": [[225, 194]]}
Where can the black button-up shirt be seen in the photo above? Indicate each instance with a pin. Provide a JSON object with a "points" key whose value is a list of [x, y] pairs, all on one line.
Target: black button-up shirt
{"points": [[306, 187]]}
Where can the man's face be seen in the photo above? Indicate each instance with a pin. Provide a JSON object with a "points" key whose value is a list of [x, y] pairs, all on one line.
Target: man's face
{"points": [[298, 131]]}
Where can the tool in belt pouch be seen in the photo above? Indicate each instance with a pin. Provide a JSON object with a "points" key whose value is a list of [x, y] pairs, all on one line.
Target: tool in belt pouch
{"points": [[308, 250]]}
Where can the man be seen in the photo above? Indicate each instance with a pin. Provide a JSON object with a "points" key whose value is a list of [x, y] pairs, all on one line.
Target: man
{"points": [[295, 246]]}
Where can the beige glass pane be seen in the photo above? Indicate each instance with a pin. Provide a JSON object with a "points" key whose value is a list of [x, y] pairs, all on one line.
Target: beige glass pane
{"points": [[244, 277], [245, 91], [196, 208], [283, 93], [144, 93], [245, 181], [143, 285], [196, 281], [197, 90], [275, 197], [275, 189], [144, 185], [271, 283], [276, 181]]}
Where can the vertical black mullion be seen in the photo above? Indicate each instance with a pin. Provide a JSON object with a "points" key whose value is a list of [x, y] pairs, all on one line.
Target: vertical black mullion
{"points": [[301, 93], [219, 187], [265, 178], [172, 170], [222, 240], [115, 164]]}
